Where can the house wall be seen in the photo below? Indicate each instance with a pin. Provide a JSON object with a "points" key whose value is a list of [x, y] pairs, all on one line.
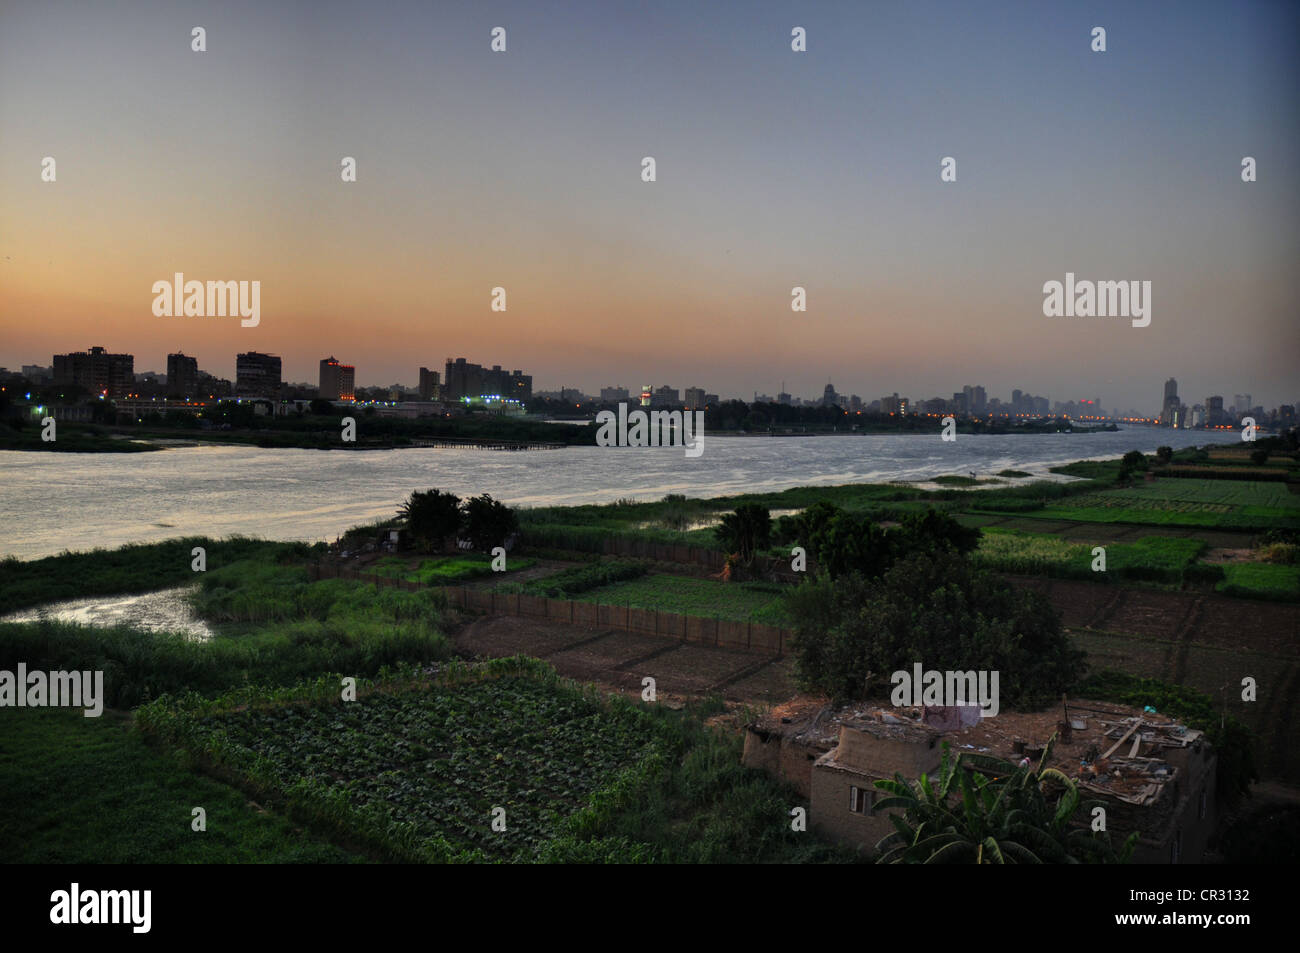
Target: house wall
{"points": [[883, 756], [782, 758], [829, 811]]}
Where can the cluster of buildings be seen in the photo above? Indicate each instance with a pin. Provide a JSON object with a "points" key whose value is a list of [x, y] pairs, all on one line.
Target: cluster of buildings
{"points": [[462, 385], [99, 374], [1212, 411]]}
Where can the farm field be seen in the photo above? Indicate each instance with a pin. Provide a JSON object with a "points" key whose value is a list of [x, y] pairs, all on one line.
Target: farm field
{"points": [[1151, 558], [443, 570], [1248, 505], [737, 602], [1262, 580], [418, 771]]}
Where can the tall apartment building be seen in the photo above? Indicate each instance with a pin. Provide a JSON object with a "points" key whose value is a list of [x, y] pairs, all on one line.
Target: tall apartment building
{"points": [[665, 396], [430, 388], [695, 398], [613, 395], [1169, 409], [1214, 414], [182, 375], [337, 381], [463, 379], [256, 374], [96, 370]]}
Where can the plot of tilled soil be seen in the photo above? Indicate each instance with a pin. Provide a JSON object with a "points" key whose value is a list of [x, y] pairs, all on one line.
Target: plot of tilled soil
{"points": [[612, 650], [622, 659], [697, 669], [497, 636], [771, 684]]}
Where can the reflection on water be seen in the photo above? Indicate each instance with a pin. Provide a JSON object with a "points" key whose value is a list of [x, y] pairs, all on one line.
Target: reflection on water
{"points": [[167, 610]]}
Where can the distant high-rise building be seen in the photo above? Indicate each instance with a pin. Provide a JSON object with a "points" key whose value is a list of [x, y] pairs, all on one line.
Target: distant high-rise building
{"points": [[665, 396], [613, 395], [1214, 415], [695, 399], [337, 381], [37, 374], [182, 375], [430, 389], [829, 397], [257, 374], [1169, 410], [711, 400], [96, 370], [1241, 403], [463, 379]]}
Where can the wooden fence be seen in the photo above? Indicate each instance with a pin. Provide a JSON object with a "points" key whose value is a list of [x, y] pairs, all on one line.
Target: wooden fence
{"points": [[725, 633]]}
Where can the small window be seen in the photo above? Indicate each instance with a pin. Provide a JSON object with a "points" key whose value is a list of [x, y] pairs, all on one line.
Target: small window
{"points": [[860, 800]]}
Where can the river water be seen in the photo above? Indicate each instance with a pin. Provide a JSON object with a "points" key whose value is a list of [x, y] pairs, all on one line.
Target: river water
{"points": [[56, 501]]}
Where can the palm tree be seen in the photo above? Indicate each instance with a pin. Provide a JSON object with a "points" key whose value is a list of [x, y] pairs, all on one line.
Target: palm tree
{"points": [[968, 816]]}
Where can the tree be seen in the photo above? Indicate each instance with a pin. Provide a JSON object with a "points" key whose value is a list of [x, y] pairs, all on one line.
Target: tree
{"points": [[966, 816], [1164, 455], [746, 531], [431, 516], [321, 407], [487, 522], [938, 608]]}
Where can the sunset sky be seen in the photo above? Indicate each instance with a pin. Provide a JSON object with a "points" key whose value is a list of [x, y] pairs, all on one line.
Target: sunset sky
{"points": [[775, 169]]}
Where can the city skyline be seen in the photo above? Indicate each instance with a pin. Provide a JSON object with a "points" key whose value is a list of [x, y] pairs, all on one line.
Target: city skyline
{"points": [[817, 170], [460, 377]]}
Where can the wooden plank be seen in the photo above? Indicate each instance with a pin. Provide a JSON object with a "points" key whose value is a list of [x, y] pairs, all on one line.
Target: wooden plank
{"points": [[1132, 728], [1137, 743]]}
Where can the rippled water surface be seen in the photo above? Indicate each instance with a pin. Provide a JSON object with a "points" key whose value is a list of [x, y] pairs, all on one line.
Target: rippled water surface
{"points": [[56, 501]]}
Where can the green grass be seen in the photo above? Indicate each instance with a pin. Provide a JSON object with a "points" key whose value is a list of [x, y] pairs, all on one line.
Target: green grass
{"points": [[274, 627], [130, 569], [1223, 504], [1262, 581], [569, 583], [1153, 558], [90, 791], [445, 570], [735, 601]]}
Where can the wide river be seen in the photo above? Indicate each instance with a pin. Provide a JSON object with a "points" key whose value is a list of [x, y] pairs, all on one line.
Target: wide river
{"points": [[57, 501]]}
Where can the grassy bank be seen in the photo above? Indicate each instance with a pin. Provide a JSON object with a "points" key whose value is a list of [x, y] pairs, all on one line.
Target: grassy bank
{"points": [[91, 791]]}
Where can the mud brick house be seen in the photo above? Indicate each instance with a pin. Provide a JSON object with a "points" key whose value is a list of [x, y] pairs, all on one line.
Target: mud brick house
{"points": [[1151, 774]]}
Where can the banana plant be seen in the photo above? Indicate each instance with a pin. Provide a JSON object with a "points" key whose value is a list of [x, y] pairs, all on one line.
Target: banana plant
{"points": [[985, 810]]}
